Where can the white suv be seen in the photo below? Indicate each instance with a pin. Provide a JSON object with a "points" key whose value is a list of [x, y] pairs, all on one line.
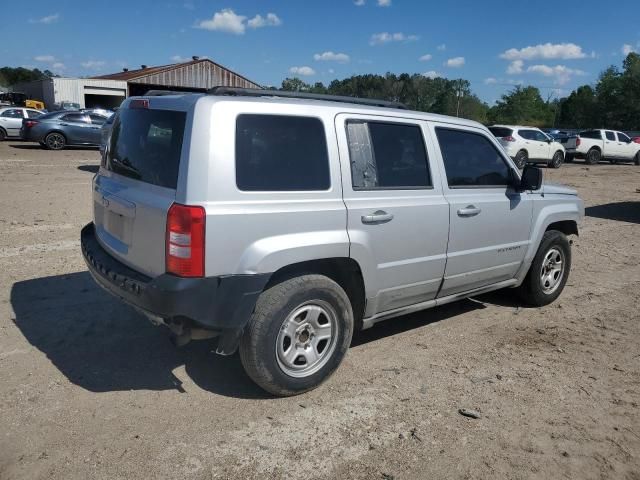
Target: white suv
{"points": [[529, 144]]}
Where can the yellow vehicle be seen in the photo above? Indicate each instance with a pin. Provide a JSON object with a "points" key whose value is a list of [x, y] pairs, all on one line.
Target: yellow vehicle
{"points": [[37, 104], [16, 99]]}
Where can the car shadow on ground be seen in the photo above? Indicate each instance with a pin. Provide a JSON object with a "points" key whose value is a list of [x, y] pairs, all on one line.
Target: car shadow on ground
{"points": [[620, 211], [89, 168], [37, 146], [103, 345]]}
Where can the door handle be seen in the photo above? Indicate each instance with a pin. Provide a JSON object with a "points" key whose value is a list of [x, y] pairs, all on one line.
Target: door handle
{"points": [[469, 211], [376, 218]]}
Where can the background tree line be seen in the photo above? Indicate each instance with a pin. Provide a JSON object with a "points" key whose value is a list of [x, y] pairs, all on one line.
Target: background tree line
{"points": [[10, 76], [614, 101]]}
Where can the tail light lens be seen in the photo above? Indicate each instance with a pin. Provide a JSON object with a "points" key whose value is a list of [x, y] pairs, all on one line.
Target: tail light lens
{"points": [[578, 142], [509, 139], [636, 140], [185, 241], [30, 123]]}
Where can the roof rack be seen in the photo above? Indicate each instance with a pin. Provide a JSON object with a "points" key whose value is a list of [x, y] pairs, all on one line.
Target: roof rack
{"points": [[257, 92], [162, 93]]}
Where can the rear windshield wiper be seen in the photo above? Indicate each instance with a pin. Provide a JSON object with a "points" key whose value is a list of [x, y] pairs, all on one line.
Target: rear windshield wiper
{"points": [[126, 165]]}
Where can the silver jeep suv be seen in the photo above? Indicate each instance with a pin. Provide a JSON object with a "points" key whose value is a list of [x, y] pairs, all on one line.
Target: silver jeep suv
{"points": [[282, 222]]}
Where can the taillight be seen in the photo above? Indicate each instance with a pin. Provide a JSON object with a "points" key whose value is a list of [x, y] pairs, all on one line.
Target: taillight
{"points": [[636, 140], [29, 123], [139, 103], [577, 141], [185, 240], [509, 139]]}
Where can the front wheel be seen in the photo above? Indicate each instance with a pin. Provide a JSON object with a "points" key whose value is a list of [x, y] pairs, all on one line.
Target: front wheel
{"points": [[3, 135], [521, 159], [637, 159], [298, 334], [549, 270], [556, 160]]}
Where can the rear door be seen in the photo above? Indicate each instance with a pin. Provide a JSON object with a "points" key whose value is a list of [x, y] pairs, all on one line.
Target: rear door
{"points": [[531, 143], [611, 147], [398, 219], [76, 128], [11, 121], [137, 184], [490, 222]]}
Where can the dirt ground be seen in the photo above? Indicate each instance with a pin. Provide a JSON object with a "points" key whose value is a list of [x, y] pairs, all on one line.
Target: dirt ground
{"points": [[90, 389]]}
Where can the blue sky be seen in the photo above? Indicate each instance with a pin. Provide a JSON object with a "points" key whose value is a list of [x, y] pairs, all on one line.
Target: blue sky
{"points": [[494, 44]]}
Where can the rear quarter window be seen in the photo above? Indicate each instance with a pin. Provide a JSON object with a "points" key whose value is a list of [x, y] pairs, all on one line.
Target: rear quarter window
{"points": [[501, 132], [281, 153]]}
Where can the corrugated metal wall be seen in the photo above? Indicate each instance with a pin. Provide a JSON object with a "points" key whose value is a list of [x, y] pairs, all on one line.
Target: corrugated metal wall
{"points": [[73, 89], [200, 75]]}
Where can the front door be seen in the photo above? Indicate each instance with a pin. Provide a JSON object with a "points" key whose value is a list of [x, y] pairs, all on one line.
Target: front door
{"points": [[627, 147], [11, 121], [490, 222], [398, 218], [76, 127]]}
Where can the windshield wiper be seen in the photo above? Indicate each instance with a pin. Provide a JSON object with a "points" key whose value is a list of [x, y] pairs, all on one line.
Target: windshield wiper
{"points": [[126, 165]]}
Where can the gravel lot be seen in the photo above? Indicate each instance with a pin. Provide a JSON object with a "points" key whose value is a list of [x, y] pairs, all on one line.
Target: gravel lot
{"points": [[90, 389]]}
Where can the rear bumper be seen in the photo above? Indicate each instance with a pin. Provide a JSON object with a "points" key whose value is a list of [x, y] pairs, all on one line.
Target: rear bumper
{"points": [[223, 304]]}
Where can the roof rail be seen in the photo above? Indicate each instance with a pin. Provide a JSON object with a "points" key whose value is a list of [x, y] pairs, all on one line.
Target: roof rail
{"points": [[162, 93], [257, 92]]}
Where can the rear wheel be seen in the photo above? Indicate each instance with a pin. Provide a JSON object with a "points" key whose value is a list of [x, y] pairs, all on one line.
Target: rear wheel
{"points": [[298, 335], [549, 270], [637, 160], [593, 156], [55, 141], [556, 160], [521, 159]]}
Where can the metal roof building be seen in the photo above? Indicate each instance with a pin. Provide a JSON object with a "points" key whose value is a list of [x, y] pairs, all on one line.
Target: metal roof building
{"points": [[196, 75]]}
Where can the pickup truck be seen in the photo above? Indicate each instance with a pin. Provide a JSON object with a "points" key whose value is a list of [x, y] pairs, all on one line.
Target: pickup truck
{"points": [[596, 145]]}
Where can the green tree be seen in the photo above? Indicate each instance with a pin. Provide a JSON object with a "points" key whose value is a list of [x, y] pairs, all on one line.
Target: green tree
{"points": [[523, 105], [578, 110]]}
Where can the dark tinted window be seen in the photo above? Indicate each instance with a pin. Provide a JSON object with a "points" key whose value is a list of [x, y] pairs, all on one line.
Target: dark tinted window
{"points": [[610, 135], [471, 160], [540, 136], [76, 117], [501, 132], [591, 134], [97, 119], [14, 113], [281, 153], [527, 134], [33, 114], [146, 145], [623, 138], [387, 155]]}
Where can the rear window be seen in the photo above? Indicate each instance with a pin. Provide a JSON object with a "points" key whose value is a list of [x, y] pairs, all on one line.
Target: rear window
{"points": [[591, 134], [281, 153], [146, 145], [501, 132]]}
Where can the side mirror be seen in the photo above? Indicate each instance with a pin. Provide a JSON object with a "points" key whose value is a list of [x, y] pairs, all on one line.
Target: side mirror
{"points": [[531, 179]]}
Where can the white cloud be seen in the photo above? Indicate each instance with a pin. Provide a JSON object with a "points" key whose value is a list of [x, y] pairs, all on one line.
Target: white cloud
{"points": [[564, 51], [455, 62], [358, 3], [627, 49], [384, 3], [180, 59], [386, 37], [49, 19], [225, 21], [331, 57], [304, 71], [515, 67], [271, 20], [431, 74], [45, 58], [94, 64], [490, 81], [441, 48], [425, 58], [58, 66], [561, 73], [332, 71]]}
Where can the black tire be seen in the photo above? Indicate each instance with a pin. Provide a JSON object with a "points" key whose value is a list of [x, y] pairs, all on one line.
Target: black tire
{"points": [[276, 306], [568, 158], [521, 159], [613, 161], [532, 291], [55, 141], [557, 160], [593, 156], [3, 134], [637, 160]]}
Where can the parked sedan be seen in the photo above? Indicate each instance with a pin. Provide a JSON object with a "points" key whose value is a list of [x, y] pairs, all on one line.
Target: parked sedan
{"points": [[11, 120], [56, 130]]}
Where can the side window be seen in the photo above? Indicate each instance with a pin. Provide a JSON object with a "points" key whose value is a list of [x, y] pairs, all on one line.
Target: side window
{"points": [[387, 156], [610, 135], [541, 136], [76, 118], [471, 160], [13, 113], [281, 153], [33, 114], [97, 119], [623, 138]]}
